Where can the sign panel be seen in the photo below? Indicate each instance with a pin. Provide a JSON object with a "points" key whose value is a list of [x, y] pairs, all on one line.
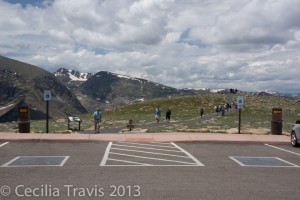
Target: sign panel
{"points": [[23, 110], [47, 95], [240, 102]]}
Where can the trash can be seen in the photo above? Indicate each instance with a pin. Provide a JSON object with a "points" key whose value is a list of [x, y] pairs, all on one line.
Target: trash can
{"points": [[276, 123], [24, 119]]}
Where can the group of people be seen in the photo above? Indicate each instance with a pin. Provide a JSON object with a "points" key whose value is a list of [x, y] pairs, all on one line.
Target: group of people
{"points": [[219, 109], [168, 114], [98, 116], [158, 114], [227, 107]]}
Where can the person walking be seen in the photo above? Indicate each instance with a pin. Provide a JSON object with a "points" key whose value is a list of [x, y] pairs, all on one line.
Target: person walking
{"points": [[216, 109], [168, 115], [201, 110], [219, 110], [97, 119], [157, 114]]}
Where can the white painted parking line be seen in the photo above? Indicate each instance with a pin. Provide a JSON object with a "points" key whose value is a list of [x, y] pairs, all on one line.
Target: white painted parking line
{"points": [[188, 154], [237, 161], [146, 148], [288, 162], [5, 143], [145, 154], [64, 161], [142, 144], [126, 161], [282, 149], [103, 162], [160, 143], [8, 163], [151, 158]]}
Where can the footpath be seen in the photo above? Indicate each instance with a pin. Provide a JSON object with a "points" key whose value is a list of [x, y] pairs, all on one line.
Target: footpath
{"points": [[114, 135], [144, 137], [228, 98]]}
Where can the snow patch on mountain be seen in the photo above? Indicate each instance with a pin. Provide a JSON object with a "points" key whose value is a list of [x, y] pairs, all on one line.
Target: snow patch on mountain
{"points": [[73, 75]]}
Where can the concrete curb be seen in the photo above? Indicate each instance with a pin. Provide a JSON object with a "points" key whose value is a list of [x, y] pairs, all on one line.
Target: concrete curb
{"points": [[145, 137]]}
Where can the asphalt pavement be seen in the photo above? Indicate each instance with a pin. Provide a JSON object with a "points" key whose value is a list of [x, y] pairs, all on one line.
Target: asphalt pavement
{"points": [[156, 170]]}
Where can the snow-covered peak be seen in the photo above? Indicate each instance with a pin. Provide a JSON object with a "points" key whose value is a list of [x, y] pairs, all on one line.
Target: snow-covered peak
{"points": [[216, 90], [72, 74], [124, 76], [267, 92]]}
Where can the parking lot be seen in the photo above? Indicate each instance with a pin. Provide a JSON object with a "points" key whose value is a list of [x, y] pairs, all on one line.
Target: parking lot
{"points": [[160, 170]]}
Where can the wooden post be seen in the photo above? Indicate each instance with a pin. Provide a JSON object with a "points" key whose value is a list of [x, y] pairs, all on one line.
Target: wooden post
{"points": [[240, 113], [68, 123], [47, 116]]}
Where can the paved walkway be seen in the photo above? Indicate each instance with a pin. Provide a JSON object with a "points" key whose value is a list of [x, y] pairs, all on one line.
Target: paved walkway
{"points": [[145, 137]]}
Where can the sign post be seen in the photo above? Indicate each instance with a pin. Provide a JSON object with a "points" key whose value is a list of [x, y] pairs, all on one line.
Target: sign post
{"points": [[240, 103], [47, 98]]}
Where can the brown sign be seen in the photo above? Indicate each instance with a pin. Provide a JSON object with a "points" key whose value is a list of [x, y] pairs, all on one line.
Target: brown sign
{"points": [[23, 110], [277, 111]]}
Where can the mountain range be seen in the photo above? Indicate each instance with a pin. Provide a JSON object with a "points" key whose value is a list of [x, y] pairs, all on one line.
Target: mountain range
{"points": [[74, 92], [110, 90], [24, 84]]}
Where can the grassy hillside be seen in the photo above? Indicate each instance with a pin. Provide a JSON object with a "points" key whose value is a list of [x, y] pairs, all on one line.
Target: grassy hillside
{"points": [[182, 108], [256, 115]]}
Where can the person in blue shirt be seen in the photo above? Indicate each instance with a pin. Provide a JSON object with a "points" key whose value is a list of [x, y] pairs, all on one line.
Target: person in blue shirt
{"points": [[157, 114], [97, 119]]}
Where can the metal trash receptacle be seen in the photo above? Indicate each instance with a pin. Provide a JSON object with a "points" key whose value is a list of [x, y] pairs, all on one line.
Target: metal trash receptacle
{"points": [[276, 123], [24, 119]]}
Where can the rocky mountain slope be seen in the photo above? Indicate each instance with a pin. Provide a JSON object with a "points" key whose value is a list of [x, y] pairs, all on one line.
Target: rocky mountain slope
{"points": [[72, 78], [113, 90], [110, 90], [23, 83]]}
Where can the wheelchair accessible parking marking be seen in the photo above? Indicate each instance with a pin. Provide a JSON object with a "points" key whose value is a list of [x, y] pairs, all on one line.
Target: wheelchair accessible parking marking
{"points": [[37, 161], [5, 143], [147, 154], [247, 161]]}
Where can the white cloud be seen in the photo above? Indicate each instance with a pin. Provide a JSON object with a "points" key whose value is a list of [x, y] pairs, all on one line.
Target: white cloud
{"points": [[245, 44]]}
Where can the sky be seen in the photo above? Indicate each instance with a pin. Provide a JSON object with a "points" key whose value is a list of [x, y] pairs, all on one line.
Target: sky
{"points": [[251, 45]]}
